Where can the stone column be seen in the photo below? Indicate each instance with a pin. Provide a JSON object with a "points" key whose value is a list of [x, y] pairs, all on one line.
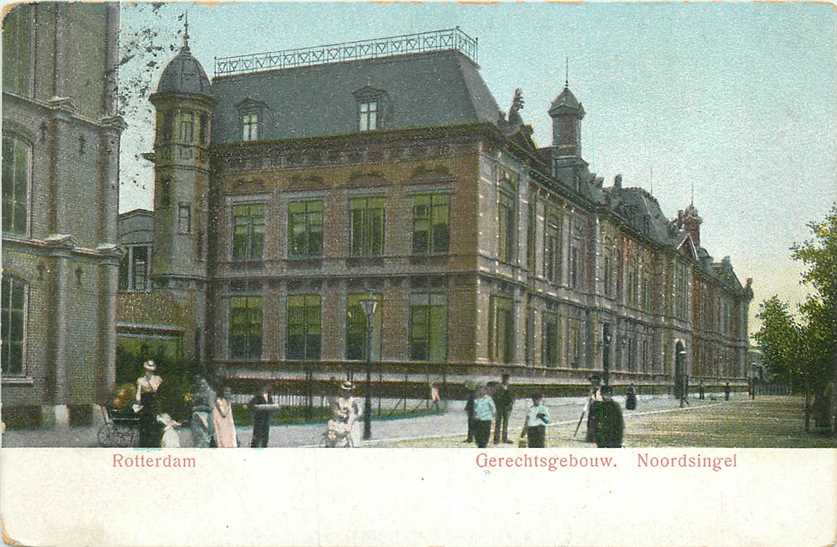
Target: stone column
{"points": [[109, 279], [61, 386]]}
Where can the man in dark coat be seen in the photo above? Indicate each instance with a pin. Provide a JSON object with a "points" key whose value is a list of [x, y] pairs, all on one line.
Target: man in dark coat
{"points": [[261, 418], [726, 391], [469, 410], [610, 425], [504, 401]]}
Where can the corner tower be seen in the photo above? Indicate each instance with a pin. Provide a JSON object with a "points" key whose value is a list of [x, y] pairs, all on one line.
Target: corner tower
{"points": [[566, 113], [184, 106]]}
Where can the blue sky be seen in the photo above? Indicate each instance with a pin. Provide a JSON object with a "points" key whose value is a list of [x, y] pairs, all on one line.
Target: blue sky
{"points": [[735, 99]]}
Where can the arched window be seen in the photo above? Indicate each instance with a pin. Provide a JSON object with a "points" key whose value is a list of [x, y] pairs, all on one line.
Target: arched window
{"points": [[17, 156], [13, 322], [17, 51]]}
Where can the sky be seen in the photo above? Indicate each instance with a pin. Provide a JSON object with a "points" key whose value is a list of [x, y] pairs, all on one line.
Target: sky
{"points": [[733, 102]]}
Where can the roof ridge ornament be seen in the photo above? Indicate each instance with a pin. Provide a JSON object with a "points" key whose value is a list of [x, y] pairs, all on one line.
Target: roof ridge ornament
{"points": [[186, 31]]}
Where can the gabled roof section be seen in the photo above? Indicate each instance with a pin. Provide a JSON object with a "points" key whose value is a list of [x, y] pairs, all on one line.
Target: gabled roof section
{"points": [[433, 89]]}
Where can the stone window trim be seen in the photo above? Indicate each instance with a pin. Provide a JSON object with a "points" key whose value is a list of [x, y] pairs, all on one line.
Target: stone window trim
{"points": [[16, 139], [15, 281]]}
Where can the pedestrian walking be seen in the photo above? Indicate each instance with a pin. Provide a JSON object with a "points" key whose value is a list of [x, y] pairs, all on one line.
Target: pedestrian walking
{"points": [[534, 427], [484, 412], [223, 423], [146, 406], [700, 389], [346, 411], [727, 389], [610, 425], [630, 397], [469, 411], [261, 417], [435, 397], [504, 402]]}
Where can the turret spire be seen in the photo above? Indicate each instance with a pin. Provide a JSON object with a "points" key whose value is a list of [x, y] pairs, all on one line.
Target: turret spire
{"points": [[186, 31], [567, 72]]}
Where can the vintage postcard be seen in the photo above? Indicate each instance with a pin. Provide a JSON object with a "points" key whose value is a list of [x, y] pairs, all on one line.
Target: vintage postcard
{"points": [[479, 242]]}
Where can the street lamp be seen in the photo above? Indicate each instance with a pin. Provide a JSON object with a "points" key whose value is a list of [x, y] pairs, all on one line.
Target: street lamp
{"points": [[683, 377], [606, 337], [370, 304]]}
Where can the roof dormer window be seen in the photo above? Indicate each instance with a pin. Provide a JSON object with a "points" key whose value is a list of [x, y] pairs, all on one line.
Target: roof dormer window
{"points": [[369, 115], [372, 105], [251, 117], [250, 126]]}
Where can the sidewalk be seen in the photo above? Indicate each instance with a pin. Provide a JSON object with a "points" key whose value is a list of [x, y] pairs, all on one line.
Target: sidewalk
{"points": [[453, 422]]}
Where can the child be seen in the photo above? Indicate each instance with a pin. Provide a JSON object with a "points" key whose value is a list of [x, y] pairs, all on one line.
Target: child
{"points": [[170, 439], [534, 428]]}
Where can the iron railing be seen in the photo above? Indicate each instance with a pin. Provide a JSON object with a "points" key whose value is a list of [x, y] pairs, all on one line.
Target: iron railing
{"points": [[437, 40]]}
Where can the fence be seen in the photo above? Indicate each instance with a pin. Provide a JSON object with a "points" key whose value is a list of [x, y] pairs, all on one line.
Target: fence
{"points": [[772, 389]]}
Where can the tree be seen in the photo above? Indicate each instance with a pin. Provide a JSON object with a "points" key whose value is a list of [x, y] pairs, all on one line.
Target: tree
{"points": [[819, 311], [779, 339]]}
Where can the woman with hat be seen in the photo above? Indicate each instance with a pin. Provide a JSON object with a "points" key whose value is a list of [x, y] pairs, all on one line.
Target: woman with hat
{"points": [[345, 411], [150, 431]]}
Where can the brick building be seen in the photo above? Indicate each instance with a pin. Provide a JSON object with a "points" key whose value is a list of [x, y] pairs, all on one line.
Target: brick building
{"points": [[60, 149], [297, 183]]}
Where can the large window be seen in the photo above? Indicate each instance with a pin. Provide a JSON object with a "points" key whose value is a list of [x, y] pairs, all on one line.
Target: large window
{"points": [[681, 288], [16, 172], [304, 328], [574, 342], [356, 327], [305, 229], [552, 249], [17, 51], [248, 231], [502, 329], [550, 340], [574, 265], [250, 126], [367, 215], [531, 237], [368, 115], [245, 327], [187, 127], [13, 323], [430, 224], [505, 227], [428, 327]]}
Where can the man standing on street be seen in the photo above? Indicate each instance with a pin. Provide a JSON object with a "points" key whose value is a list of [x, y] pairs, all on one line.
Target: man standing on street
{"points": [[261, 418], [610, 425], [504, 401], [469, 411], [484, 412]]}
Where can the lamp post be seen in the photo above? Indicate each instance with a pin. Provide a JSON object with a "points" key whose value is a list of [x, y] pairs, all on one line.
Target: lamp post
{"points": [[606, 338], [369, 306], [683, 377]]}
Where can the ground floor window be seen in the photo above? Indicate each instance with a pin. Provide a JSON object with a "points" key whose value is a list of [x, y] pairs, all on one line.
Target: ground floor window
{"points": [[502, 329], [304, 327], [550, 340], [245, 327], [428, 327], [13, 322]]}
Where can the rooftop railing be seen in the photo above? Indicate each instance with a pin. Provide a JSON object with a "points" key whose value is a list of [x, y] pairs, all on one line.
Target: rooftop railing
{"points": [[437, 40]]}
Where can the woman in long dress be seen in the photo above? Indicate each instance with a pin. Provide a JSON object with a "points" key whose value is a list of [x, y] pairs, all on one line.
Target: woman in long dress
{"points": [[222, 421], [342, 429], [146, 406]]}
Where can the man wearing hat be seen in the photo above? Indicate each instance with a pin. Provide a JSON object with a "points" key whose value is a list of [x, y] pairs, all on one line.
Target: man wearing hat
{"points": [[610, 425], [504, 401], [150, 431]]}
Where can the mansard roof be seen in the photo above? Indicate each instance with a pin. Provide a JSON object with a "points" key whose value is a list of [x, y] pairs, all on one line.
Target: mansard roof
{"points": [[184, 75], [430, 89]]}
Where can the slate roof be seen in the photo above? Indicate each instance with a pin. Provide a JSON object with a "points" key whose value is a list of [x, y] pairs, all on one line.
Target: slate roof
{"points": [[432, 89], [636, 205], [184, 74]]}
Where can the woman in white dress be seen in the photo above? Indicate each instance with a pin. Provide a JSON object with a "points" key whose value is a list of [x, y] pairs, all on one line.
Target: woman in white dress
{"points": [[343, 428]]}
